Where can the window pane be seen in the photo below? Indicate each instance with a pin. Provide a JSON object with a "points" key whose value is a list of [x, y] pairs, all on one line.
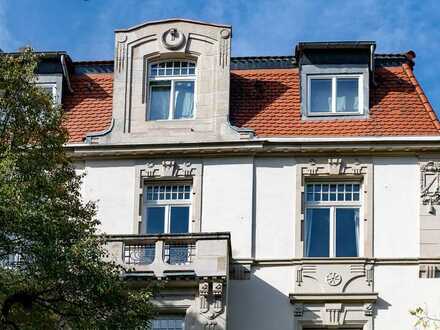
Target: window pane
{"points": [[160, 101], [184, 99], [347, 232], [168, 324], [320, 95], [155, 220], [347, 95], [179, 219], [317, 232]]}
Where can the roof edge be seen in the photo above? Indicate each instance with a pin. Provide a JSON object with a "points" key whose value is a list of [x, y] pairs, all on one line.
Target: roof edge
{"points": [[170, 20], [426, 104]]}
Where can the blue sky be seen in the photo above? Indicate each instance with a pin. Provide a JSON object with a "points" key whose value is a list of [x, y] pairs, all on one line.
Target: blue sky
{"points": [[84, 28]]}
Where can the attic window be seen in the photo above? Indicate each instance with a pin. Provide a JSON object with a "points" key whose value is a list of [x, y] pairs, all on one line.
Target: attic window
{"points": [[334, 95], [171, 86]]}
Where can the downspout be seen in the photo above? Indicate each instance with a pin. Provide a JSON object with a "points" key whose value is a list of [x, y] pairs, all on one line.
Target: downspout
{"points": [[373, 80], [66, 72]]}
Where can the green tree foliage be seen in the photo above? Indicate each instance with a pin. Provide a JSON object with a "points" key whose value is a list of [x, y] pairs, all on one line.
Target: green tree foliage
{"points": [[425, 321], [62, 280]]}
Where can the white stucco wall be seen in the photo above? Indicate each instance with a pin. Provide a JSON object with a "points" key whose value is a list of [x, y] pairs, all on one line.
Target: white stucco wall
{"points": [[111, 184], [396, 207], [275, 207], [400, 290], [255, 197], [227, 194]]}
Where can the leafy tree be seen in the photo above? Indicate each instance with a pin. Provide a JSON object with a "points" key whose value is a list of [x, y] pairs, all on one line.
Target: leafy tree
{"points": [[60, 279], [424, 320]]}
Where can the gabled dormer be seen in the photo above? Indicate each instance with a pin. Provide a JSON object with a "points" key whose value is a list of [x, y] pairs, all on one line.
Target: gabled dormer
{"points": [[335, 78], [171, 83]]}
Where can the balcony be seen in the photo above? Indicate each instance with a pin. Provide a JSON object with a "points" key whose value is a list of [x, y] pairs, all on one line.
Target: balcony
{"points": [[171, 255]]}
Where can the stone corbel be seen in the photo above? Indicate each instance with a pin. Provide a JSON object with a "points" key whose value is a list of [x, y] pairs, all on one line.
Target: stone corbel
{"points": [[217, 292], [369, 309], [298, 310], [208, 311]]}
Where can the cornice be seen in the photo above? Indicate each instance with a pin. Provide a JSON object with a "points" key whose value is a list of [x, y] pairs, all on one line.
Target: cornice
{"points": [[257, 147]]}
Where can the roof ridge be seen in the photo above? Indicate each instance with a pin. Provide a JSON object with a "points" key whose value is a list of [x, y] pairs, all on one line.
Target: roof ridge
{"points": [[426, 104]]}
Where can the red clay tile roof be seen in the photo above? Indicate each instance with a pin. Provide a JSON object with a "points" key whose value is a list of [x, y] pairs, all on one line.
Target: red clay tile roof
{"points": [[89, 108], [268, 101]]}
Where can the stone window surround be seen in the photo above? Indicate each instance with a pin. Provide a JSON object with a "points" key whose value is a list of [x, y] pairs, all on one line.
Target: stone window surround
{"points": [[336, 169], [169, 170], [334, 70]]}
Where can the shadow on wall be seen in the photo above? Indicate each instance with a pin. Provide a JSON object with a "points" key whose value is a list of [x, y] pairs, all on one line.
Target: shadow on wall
{"points": [[255, 304]]}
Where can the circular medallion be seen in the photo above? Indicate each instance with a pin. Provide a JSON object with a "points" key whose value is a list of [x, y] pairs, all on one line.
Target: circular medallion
{"points": [[333, 279], [225, 33], [173, 39]]}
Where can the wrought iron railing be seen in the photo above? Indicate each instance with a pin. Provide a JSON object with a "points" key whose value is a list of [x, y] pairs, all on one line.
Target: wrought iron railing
{"points": [[139, 254], [178, 253]]}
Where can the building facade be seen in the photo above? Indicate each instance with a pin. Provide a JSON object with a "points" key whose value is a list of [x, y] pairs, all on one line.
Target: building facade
{"points": [[263, 193]]}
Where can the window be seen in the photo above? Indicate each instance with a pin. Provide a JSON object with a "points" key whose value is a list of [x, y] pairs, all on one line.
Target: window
{"points": [[167, 209], [170, 323], [332, 227], [171, 90], [335, 94], [50, 89]]}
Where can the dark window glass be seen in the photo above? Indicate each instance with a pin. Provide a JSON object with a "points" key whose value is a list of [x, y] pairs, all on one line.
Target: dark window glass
{"points": [[320, 95], [179, 219], [155, 220], [317, 232], [347, 232]]}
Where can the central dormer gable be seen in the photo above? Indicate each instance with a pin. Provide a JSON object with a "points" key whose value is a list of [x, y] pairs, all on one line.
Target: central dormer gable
{"points": [[171, 83]]}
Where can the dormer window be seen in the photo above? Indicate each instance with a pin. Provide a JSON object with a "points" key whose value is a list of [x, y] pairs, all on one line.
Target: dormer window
{"points": [[334, 95], [171, 90]]}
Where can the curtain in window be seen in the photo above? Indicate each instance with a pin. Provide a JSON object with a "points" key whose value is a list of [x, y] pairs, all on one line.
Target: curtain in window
{"points": [[356, 223], [308, 232], [184, 99]]}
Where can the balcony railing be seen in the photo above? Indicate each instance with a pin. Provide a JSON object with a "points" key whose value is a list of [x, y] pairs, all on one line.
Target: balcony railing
{"points": [[165, 255]]}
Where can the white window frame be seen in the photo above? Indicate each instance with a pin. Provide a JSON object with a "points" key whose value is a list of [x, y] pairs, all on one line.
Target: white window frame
{"points": [[173, 80], [333, 205], [168, 204], [334, 78], [53, 86], [171, 317]]}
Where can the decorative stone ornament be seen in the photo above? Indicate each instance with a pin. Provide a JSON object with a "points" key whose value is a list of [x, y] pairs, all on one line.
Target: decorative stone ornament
{"points": [[430, 183], [173, 39], [333, 279], [208, 310], [168, 168], [334, 314]]}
